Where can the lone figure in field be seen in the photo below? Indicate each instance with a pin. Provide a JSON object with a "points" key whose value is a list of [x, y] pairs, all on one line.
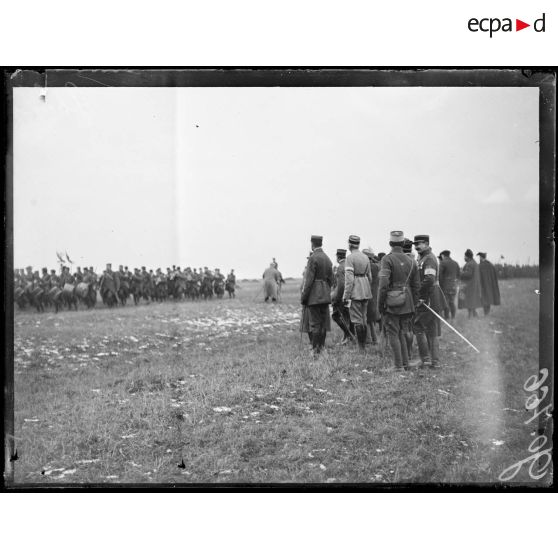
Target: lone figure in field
{"points": [[271, 278]]}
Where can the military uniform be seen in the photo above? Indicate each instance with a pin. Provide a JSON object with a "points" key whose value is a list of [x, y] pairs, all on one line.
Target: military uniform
{"points": [[449, 275], [340, 313], [94, 277], [54, 279], [426, 325], [305, 315], [357, 288], [45, 281], [109, 285], [398, 272], [271, 279], [230, 284], [372, 313], [219, 283], [470, 289], [65, 277], [490, 291], [316, 293]]}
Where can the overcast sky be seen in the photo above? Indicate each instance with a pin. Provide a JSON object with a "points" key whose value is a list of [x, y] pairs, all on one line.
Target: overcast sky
{"points": [[231, 177]]}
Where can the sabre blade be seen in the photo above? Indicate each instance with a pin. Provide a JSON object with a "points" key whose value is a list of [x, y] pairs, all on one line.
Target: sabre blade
{"points": [[451, 327]]}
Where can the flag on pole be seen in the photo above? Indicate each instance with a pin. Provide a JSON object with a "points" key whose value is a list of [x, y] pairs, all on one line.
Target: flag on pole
{"points": [[60, 258], [68, 258]]}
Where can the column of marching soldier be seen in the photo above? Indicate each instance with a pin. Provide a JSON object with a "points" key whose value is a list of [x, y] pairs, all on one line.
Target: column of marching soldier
{"points": [[396, 292], [116, 287]]}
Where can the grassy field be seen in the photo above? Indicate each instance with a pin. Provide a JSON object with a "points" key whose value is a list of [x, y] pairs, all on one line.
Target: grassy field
{"points": [[228, 390]]}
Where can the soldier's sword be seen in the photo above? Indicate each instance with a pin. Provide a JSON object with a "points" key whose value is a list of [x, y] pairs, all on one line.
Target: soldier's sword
{"points": [[451, 327]]}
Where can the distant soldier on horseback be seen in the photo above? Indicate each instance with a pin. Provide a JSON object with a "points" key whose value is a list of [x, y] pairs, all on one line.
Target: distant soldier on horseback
{"points": [[108, 286]]}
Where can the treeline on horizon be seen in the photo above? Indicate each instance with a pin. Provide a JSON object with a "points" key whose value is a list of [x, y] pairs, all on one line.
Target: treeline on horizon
{"points": [[505, 271]]}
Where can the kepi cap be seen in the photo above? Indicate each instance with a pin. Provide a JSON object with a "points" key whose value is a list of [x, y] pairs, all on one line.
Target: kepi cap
{"points": [[354, 240], [396, 236], [421, 238], [407, 245], [341, 252]]}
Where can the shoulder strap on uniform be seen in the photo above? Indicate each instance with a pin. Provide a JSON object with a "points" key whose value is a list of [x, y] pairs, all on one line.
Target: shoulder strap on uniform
{"points": [[410, 271]]}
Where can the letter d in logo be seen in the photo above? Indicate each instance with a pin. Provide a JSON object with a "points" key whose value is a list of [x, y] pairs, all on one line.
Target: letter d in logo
{"points": [[539, 24]]}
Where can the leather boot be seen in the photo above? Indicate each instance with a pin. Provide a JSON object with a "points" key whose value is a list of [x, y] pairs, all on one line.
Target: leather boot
{"points": [[323, 336], [422, 343], [373, 337], [404, 353], [361, 336], [395, 344], [435, 351], [409, 340], [338, 319]]}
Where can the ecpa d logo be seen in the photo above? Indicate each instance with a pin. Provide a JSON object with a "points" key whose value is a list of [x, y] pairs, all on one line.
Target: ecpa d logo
{"points": [[493, 25]]}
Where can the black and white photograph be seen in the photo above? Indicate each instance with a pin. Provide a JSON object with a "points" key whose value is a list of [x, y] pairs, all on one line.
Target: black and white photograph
{"points": [[307, 276]]}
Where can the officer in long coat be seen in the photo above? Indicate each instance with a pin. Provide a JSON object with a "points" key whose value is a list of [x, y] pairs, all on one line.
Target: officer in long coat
{"points": [[271, 279], [357, 288], [449, 277], [398, 272], [316, 293], [490, 291], [340, 313], [426, 325], [470, 289]]}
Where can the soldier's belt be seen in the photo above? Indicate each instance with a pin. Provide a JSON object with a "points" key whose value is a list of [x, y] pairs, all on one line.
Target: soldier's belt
{"points": [[360, 275]]}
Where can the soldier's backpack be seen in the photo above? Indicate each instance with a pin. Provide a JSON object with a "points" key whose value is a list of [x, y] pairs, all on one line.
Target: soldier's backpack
{"points": [[397, 297]]}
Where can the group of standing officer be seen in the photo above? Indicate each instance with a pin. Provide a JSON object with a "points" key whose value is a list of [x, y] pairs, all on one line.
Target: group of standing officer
{"points": [[402, 294]]}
